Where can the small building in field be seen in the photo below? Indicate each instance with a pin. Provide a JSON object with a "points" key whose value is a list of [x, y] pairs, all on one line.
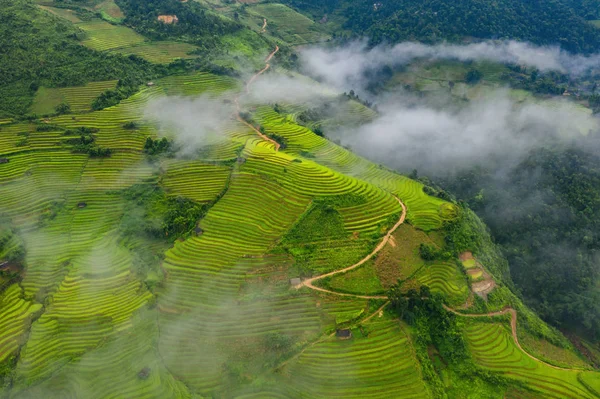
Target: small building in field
{"points": [[3, 160], [345, 333], [144, 373], [198, 230], [81, 205], [295, 282], [150, 84]]}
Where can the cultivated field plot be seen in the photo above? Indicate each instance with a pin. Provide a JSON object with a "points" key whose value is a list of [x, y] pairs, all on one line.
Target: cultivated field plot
{"points": [[67, 14], [103, 36], [446, 278], [424, 212], [290, 25], [79, 98], [160, 52], [110, 11], [493, 348], [197, 83], [360, 281], [195, 180], [373, 364]]}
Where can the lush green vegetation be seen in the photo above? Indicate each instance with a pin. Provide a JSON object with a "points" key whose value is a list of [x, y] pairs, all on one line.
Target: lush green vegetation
{"points": [[556, 22], [44, 51], [555, 266], [195, 23], [132, 265]]}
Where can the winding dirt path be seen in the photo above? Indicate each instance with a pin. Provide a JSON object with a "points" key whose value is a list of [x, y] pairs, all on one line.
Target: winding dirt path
{"points": [[236, 100], [513, 313], [513, 326], [377, 312], [264, 27], [267, 66], [309, 282]]}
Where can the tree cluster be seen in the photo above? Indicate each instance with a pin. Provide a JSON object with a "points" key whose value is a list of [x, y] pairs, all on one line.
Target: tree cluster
{"points": [[155, 147], [434, 324], [195, 24], [562, 22], [85, 142]]}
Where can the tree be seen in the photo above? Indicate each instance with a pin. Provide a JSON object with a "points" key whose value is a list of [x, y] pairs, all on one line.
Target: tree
{"points": [[397, 300], [62, 108], [427, 252], [473, 76]]}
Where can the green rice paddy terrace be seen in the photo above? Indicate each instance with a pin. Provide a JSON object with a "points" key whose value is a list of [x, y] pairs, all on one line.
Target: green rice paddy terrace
{"points": [[277, 289]]}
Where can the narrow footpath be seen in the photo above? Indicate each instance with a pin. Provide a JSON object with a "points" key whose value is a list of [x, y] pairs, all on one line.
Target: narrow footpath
{"points": [[309, 282], [236, 100], [513, 326]]}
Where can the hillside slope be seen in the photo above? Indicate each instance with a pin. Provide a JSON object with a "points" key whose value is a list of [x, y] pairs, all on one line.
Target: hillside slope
{"points": [[147, 253], [560, 22]]}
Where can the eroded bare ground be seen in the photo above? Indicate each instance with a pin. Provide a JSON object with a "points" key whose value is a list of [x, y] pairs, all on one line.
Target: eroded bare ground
{"points": [[482, 282]]}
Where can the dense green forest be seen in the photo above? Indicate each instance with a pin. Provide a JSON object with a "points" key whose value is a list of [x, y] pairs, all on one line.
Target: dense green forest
{"points": [[195, 24], [561, 22], [545, 212], [38, 49]]}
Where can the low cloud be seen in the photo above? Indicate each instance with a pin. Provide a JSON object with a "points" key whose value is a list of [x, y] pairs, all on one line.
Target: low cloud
{"points": [[191, 122], [444, 140], [345, 67]]}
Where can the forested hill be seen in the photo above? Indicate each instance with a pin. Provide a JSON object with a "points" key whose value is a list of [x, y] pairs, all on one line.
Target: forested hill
{"points": [[194, 23], [546, 215], [563, 22]]}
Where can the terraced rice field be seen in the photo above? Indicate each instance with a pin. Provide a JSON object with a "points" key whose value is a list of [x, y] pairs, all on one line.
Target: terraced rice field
{"points": [[15, 317], [79, 98], [293, 27], [220, 318], [493, 348], [67, 14], [363, 221], [444, 277], [361, 281], [197, 83], [160, 52], [424, 212], [195, 180], [371, 366], [103, 36]]}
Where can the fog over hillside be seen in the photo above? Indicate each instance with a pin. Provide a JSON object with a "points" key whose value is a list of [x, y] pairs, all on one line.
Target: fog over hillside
{"points": [[345, 67], [529, 168]]}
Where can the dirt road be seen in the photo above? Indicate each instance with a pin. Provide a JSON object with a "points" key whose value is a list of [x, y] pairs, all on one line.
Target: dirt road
{"points": [[236, 100], [309, 282], [513, 326]]}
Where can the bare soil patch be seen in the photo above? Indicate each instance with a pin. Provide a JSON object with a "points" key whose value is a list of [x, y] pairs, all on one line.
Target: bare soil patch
{"points": [[466, 256], [168, 19]]}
